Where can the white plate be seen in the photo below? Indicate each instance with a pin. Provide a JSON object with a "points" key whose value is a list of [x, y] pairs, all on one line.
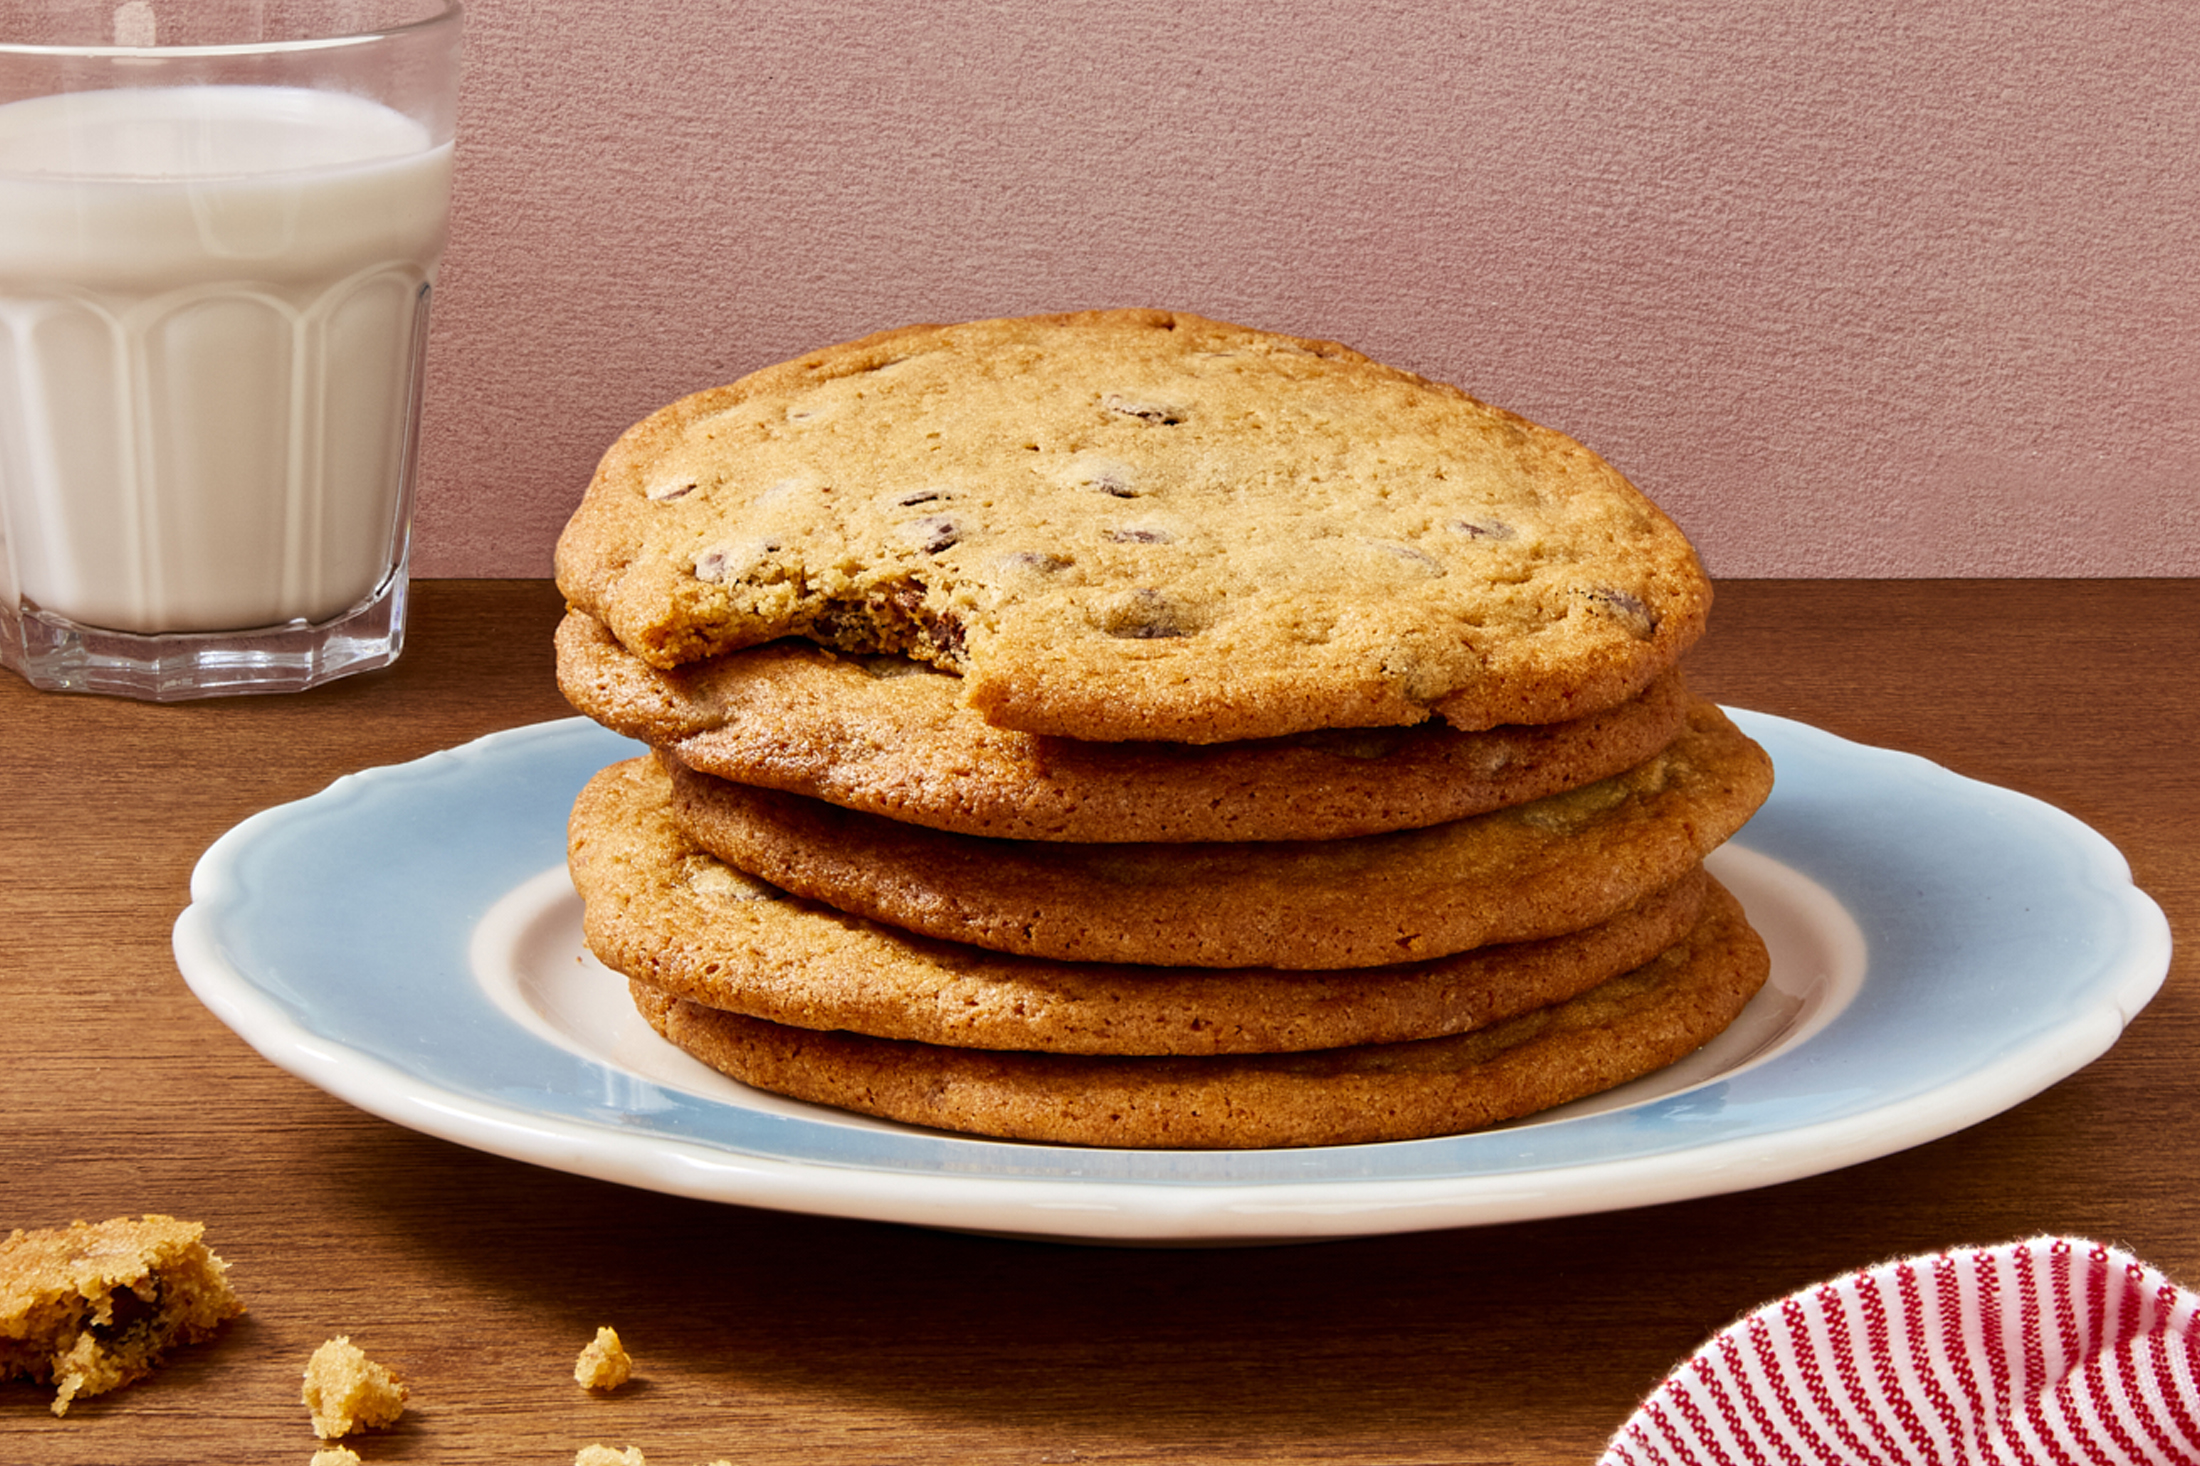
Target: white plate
{"points": [[407, 940]]}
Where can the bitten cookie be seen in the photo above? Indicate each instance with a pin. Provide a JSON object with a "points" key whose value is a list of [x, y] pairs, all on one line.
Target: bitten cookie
{"points": [[892, 737], [661, 910], [1618, 1031], [1536, 870], [1141, 525]]}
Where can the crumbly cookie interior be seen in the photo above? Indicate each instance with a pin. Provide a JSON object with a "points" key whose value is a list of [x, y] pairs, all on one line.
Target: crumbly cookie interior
{"points": [[95, 1306]]}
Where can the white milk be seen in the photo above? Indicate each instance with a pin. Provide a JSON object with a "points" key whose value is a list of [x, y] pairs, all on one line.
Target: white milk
{"points": [[212, 301]]}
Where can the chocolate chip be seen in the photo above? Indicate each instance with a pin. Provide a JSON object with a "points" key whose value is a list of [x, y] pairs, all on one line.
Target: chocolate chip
{"points": [[942, 629], [1100, 476], [932, 534], [1144, 615], [1412, 553], [945, 629], [722, 563], [1139, 536], [891, 617], [1483, 529], [127, 1313], [904, 597], [1159, 413], [661, 493], [922, 496], [1627, 606]]}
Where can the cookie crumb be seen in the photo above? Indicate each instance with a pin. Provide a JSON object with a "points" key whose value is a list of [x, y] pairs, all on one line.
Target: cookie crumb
{"points": [[94, 1306], [605, 1456], [604, 1364], [335, 1456], [347, 1391]]}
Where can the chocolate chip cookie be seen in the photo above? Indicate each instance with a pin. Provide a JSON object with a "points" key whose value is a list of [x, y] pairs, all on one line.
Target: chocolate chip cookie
{"points": [[1141, 525], [893, 738], [1617, 1031], [1535, 870], [661, 910]]}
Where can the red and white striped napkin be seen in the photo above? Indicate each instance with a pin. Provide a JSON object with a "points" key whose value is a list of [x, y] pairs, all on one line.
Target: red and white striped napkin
{"points": [[2052, 1352]]}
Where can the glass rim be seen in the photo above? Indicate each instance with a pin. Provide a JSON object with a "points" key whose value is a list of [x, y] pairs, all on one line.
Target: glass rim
{"points": [[447, 13]]}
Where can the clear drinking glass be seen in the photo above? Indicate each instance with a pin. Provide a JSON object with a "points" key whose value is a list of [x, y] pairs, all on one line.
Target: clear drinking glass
{"points": [[219, 228]]}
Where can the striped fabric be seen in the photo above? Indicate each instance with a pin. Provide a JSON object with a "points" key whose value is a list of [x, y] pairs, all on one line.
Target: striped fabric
{"points": [[2052, 1352]]}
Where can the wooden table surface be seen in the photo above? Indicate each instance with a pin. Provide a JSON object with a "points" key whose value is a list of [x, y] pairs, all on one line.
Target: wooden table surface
{"points": [[764, 1337]]}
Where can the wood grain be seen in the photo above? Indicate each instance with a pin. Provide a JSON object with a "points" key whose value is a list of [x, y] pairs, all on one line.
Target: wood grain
{"points": [[767, 1338]]}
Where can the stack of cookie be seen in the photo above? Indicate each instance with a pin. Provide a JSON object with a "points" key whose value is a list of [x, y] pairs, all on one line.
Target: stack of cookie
{"points": [[1130, 729]]}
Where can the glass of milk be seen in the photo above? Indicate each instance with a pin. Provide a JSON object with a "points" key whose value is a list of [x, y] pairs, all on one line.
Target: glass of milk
{"points": [[219, 228]]}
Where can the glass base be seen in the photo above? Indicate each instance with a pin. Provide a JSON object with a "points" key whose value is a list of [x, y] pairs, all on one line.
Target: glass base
{"points": [[57, 655]]}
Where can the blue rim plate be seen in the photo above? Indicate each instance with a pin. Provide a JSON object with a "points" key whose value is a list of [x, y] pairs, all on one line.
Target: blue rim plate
{"points": [[406, 940]]}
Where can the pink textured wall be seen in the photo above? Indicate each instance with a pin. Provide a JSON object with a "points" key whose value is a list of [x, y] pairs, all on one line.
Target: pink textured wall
{"points": [[1902, 287]]}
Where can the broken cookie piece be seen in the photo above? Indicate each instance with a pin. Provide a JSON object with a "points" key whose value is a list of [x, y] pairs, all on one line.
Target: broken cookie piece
{"points": [[347, 1391], [94, 1306], [604, 1364], [605, 1456]]}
